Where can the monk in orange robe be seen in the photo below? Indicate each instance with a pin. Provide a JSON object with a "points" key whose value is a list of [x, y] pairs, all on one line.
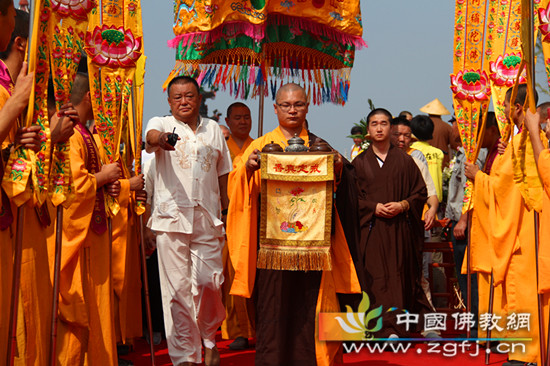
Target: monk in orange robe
{"points": [[86, 321], [34, 313], [125, 257], [511, 235], [239, 312], [542, 157], [287, 302]]}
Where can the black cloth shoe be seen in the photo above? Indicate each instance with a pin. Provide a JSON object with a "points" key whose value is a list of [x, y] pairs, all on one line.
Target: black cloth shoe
{"points": [[518, 363], [123, 362], [239, 344]]}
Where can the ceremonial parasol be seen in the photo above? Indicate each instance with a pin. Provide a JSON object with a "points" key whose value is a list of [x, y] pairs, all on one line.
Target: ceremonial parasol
{"points": [[245, 45]]}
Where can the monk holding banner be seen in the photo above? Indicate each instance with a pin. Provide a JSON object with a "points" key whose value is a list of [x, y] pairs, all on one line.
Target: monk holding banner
{"points": [[288, 301], [86, 320], [507, 217]]}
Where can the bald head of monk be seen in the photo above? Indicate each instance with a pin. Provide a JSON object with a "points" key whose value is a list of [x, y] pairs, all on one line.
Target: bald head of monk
{"points": [[80, 97], [291, 108], [7, 22]]}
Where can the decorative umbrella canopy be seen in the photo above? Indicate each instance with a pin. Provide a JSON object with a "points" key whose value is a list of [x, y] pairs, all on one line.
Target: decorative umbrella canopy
{"points": [[243, 44]]}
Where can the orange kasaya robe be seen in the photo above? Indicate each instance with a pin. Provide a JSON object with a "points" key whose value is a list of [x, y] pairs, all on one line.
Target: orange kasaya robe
{"points": [[239, 312], [125, 258], [126, 268], [242, 234], [502, 216], [544, 230], [35, 298], [86, 332], [234, 150]]}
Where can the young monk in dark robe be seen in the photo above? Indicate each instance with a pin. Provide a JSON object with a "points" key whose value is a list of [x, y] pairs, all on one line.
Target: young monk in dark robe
{"points": [[392, 194]]}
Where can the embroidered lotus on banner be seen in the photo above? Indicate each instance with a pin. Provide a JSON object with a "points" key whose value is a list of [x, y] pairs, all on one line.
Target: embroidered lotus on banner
{"points": [[505, 69], [78, 9], [113, 46], [471, 85], [242, 44]]}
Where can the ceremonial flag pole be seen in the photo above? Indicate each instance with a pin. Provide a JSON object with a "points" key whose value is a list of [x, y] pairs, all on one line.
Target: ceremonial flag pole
{"points": [[15, 286], [531, 70], [491, 299], [57, 268]]}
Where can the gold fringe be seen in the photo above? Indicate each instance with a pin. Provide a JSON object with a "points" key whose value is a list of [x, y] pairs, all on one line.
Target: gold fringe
{"points": [[294, 260]]}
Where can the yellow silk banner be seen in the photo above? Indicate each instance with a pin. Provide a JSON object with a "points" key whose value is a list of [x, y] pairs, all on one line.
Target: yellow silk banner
{"points": [[67, 28], [25, 164], [296, 211], [113, 45], [469, 81], [503, 51]]}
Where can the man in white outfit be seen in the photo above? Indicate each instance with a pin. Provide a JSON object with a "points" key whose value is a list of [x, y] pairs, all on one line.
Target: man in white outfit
{"points": [[190, 199]]}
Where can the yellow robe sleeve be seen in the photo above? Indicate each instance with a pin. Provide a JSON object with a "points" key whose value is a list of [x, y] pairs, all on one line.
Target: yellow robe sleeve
{"points": [[76, 223], [544, 245]]}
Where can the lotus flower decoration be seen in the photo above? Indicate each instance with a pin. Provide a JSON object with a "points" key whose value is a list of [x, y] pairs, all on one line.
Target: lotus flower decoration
{"points": [[504, 70], [544, 17], [77, 9], [113, 46], [471, 85]]}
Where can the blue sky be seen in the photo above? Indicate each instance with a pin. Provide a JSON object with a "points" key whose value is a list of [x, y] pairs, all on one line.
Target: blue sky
{"points": [[406, 65]]}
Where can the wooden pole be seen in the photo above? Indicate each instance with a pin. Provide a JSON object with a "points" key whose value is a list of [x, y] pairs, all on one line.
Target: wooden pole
{"points": [[146, 290], [57, 269], [468, 276], [533, 86], [490, 311], [261, 110], [16, 280]]}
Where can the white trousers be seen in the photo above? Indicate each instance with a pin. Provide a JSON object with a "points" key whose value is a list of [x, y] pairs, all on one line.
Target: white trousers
{"points": [[190, 267]]}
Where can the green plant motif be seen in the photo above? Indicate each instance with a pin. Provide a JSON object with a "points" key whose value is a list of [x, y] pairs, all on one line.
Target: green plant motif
{"points": [[358, 322]]}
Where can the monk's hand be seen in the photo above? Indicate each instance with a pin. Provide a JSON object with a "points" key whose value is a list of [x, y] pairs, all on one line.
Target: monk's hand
{"points": [[141, 195], [163, 141], [113, 189], [394, 208], [137, 182], [459, 230], [29, 137], [382, 211], [63, 123], [252, 164], [429, 218], [23, 86], [111, 171], [532, 121], [501, 147], [470, 170]]}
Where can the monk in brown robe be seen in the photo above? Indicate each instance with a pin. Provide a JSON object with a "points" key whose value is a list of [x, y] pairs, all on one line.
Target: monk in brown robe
{"points": [[392, 194]]}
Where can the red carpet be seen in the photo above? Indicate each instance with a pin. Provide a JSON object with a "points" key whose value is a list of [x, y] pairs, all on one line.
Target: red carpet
{"points": [[417, 355]]}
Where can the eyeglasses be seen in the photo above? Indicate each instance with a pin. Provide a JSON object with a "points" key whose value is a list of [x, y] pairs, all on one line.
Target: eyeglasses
{"points": [[285, 107]]}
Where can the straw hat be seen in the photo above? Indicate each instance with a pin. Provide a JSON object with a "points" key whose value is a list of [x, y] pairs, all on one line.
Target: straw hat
{"points": [[435, 107]]}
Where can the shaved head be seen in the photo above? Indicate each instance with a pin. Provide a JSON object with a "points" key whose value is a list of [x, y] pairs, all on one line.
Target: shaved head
{"points": [[289, 87]]}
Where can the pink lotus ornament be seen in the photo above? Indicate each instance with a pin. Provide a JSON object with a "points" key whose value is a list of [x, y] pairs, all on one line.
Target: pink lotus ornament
{"points": [[505, 70], [471, 85], [544, 17], [113, 46], [77, 9]]}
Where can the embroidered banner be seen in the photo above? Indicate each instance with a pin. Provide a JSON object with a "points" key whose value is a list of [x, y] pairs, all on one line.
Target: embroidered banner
{"points": [[503, 51], [296, 211], [113, 45], [241, 45], [469, 81]]}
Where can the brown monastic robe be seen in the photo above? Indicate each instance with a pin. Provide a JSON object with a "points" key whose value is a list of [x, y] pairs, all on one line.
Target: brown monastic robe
{"points": [[391, 248]]}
